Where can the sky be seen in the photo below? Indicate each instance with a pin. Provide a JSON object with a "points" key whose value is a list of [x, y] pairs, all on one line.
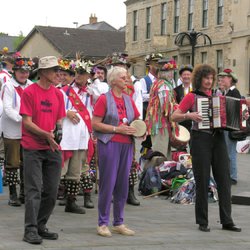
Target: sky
{"points": [[22, 16]]}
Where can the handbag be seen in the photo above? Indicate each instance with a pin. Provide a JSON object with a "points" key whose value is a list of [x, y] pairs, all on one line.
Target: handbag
{"points": [[240, 135]]}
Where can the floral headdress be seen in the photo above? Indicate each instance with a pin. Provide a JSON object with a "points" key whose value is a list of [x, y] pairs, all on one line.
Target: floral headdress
{"points": [[118, 58], [153, 57], [23, 63], [170, 65], [66, 64], [82, 66]]}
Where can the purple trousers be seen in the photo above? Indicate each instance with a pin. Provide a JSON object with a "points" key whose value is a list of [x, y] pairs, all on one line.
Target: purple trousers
{"points": [[114, 160]]}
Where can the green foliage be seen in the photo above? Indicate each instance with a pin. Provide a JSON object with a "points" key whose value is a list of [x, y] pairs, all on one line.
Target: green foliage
{"points": [[18, 40]]}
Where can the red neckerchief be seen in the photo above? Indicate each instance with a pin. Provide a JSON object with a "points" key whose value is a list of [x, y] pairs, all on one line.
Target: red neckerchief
{"points": [[82, 89], [19, 90], [78, 105]]}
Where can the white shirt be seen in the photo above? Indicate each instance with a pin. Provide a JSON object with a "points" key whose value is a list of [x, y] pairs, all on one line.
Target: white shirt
{"points": [[11, 119], [76, 136], [1, 114], [145, 94], [4, 76], [97, 88], [137, 96]]}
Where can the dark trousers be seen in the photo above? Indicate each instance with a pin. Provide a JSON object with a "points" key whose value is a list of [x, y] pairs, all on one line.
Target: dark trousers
{"points": [[209, 150], [42, 171]]}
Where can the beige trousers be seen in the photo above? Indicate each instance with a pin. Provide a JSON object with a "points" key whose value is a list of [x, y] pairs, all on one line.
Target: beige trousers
{"points": [[72, 166], [160, 143]]}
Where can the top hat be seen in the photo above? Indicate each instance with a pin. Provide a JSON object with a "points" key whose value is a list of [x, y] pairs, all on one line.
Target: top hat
{"points": [[187, 67]]}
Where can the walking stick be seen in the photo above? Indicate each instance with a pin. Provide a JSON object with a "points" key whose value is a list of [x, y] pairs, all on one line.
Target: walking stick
{"points": [[154, 194]]}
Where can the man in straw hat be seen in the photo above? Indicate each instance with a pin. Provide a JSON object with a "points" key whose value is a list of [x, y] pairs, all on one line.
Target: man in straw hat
{"points": [[42, 109], [11, 125]]}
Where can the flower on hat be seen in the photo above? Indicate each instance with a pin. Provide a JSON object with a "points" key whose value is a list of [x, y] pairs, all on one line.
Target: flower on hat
{"points": [[85, 65], [228, 71], [153, 56], [171, 65], [23, 63], [5, 49]]}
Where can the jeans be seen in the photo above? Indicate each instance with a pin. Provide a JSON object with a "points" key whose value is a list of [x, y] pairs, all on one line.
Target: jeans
{"points": [[232, 153]]}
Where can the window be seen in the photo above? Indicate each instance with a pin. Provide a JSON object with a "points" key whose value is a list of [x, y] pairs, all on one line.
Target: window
{"points": [[219, 60], [190, 14], [220, 12], [135, 25], [203, 57], [205, 14], [176, 16], [163, 18], [148, 23]]}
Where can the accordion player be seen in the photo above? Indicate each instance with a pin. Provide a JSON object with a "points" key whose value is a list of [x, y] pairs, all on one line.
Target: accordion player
{"points": [[222, 112]]}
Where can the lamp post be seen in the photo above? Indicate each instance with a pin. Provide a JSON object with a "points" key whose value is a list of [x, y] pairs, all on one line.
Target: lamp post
{"points": [[192, 38]]}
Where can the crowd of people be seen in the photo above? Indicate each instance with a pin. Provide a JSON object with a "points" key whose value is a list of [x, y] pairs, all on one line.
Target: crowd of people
{"points": [[62, 120]]}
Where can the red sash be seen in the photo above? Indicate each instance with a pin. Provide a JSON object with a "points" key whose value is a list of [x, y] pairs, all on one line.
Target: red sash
{"points": [[19, 90], [79, 106]]}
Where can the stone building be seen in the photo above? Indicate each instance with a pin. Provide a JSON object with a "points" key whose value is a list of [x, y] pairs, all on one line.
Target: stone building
{"points": [[152, 26]]}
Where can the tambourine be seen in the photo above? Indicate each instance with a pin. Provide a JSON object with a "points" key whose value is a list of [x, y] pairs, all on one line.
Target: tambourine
{"points": [[140, 127]]}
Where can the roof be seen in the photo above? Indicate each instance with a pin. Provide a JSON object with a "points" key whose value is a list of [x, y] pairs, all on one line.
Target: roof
{"points": [[91, 43], [97, 26], [7, 41]]}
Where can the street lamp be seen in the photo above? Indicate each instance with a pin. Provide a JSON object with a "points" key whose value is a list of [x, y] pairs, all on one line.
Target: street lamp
{"points": [[192, 38]]}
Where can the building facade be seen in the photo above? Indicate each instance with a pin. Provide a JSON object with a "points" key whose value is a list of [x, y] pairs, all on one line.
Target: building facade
{"points": [[152, 26]]}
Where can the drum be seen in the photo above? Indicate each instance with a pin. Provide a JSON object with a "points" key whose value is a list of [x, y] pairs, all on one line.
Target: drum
{"points": [[140, 127], [179, 137]]}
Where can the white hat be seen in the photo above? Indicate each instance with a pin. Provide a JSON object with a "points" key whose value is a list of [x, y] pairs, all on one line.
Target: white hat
{"points": [[48, 62]]}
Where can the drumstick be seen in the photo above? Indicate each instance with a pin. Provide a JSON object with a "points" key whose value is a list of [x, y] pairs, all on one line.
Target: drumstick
{"points": [[160, 192]]}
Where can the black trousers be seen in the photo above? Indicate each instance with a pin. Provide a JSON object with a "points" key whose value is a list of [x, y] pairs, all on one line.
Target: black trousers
{"points": [[42, 171], [209, 151]]}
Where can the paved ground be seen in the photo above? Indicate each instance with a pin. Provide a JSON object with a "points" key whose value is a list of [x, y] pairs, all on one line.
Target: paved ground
{"points": [[158, 223]]}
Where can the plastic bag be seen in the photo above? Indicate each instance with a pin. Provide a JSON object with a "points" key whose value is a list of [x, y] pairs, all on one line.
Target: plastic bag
{"points": [[243, 147]]}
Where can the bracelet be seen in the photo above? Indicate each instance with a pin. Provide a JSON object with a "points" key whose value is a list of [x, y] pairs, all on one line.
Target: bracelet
{"points": [[114, 129]]}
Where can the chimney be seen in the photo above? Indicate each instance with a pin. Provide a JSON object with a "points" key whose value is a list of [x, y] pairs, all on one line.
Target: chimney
{"points": [[92, 19]]}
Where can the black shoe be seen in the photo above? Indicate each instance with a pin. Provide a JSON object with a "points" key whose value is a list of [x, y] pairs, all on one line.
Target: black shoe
{"points": [[233, 182], [72, 207], [204, 228], [88, 203], [32, 237], [231, 227], [46, 234], [131, 197], [62, 202], [13, 200]]}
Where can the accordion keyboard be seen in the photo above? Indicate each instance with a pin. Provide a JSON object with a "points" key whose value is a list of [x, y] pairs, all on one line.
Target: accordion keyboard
{"points": [[205, 112]]}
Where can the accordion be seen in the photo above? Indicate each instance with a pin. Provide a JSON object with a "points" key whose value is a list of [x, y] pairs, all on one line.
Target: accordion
{"points": [[222, 112]]}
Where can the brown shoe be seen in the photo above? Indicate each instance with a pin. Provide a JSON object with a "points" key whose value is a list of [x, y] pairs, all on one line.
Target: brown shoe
{"points": [[123, 229], [103, 231]]}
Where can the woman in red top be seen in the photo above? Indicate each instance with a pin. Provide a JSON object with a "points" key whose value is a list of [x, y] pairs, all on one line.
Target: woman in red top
{"points": [[113, 112], [208, 149]]}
